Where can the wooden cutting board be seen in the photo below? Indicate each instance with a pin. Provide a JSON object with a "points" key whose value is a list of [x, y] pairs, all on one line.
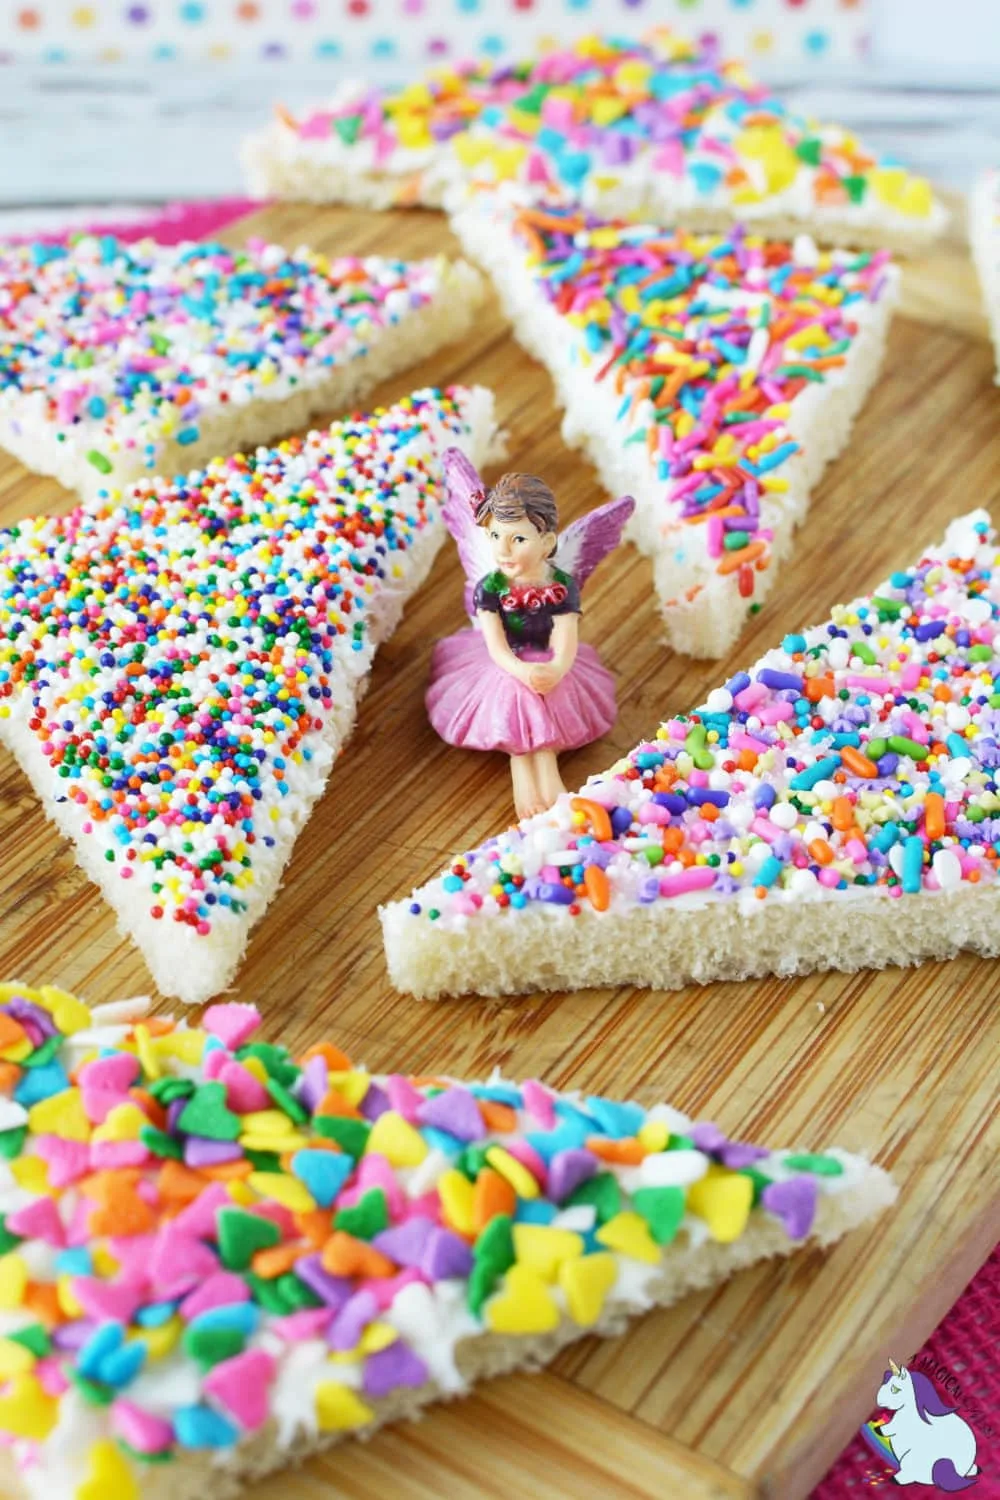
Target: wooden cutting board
{"points": [[752, 1390]]}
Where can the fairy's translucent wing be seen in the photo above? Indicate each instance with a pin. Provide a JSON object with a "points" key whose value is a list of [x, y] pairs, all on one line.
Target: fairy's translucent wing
{"points": [[587, 541], [463, 489]]}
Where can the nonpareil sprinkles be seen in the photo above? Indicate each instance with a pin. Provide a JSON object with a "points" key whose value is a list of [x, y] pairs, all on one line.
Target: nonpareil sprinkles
{"points": [[121, 348], [709, 340], [176, 656], [201, 1232], [860, 756]]}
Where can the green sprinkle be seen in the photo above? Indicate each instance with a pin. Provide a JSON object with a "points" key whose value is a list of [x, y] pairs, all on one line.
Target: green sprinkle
{"points": [[241, 1235], [206, 1113], [809, 150], [601, 1192], [662, 1209], [160, 1143], [494, 1254], [862, 649], [903, 746], [351, 1135], [34, 1338], [286, 1101], [209, 1346], [347, 128], [366, 1218], [820, 1166], [12, 1141], [888, 609], [734, 540], [101, 464]]}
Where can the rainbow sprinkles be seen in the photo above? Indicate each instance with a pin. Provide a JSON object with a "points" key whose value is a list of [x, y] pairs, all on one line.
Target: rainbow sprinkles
{"points": [[179, 669], [217, 1257], [710, 376], [118, 361], [835, 806]]}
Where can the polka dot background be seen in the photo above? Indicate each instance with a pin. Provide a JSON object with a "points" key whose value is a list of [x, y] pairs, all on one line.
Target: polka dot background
{"points": [[398, 34]]}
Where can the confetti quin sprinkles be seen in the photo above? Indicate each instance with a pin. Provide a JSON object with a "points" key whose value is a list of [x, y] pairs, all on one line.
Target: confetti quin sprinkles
{"points": [[710, 376], [178, 670], [663, 130], [213, 1249], [120, 360], [836, 806]]}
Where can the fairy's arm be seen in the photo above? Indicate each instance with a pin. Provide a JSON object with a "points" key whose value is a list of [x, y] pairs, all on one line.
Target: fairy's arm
{"points": [[496, 644], [565, 640]]}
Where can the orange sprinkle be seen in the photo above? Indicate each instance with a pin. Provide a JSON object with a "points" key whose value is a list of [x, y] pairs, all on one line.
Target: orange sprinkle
{"points": [[315, 1226], [821, 852], [819, 687], [228, 1171], [842, 816], [344, 1255], [733, 561], [497, 1116], [334, 1103], [11, 1032], [336, 1061], [596, 815], [857, 763], [276, 1261], [10, 1077], [492, 1195], [673, 839], [597, 887], [178, 1184], [626, 1153], [934, 824], [42, 1299]]}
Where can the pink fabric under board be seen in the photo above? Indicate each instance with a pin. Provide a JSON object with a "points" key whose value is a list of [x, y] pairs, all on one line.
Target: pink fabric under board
{"points": [[962, 1357], [169, 225]]}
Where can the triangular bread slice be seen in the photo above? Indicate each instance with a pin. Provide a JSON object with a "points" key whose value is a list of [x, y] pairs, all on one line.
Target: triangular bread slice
{"points": [[661, 130], [834, 807], [219, 1258], [182, 667], [124, 360], [712, 377], [984, 235]]}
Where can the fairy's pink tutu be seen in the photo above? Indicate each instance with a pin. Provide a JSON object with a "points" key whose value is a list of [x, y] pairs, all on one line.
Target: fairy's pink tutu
{"points": [[476, 705]]}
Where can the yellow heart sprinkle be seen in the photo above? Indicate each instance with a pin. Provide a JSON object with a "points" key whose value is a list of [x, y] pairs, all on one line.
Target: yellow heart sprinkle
{"points": [[456, 1193], [629, 1234], [724, 1202], [338, 1408], [26, 1411], [13, 1280], [31, 1173], [61, 1114], [396, 1140], [123, 1123], [69, 1013], [520, 1179], [109, 1474], [585, 1284], [15, 1359], [544, 1249], [524, 1305], [287, 1191]]}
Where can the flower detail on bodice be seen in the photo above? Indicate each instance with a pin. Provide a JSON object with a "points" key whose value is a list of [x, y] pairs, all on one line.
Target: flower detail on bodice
{"points": [[532, 596]]}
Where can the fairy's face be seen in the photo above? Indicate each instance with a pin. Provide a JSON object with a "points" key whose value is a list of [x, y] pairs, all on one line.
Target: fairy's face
{"points": [[519, 550]]}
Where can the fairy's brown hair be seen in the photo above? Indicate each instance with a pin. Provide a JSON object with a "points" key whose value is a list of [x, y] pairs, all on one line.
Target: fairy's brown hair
{"points": [[517, 496]]}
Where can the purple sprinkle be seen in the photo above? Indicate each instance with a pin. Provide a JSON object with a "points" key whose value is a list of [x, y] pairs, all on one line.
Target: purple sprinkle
{"points": [[200, 1151], [333, 1290], [72, 1336], [392, 1367], [445, 1256], [794, 1203], [375, 1103], [741, 1154], [708, 1137], [405, 1243], [352, 1320], [26, 1010], [174, 1111], [568, 1169], [313, 1084], [456, 1111]]}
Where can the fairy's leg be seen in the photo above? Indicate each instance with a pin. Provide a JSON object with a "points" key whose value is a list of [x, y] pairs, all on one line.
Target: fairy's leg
{"points": [[528, 796], [547, 776]]}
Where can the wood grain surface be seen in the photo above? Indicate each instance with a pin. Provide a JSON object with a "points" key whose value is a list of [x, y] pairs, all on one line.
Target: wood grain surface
{"points": [[754, 1389]]}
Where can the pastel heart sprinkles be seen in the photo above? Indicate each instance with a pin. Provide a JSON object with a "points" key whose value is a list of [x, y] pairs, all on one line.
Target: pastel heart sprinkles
{"points": [[205, 1237]]}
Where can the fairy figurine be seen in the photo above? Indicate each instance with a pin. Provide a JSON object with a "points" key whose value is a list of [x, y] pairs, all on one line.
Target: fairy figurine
{"points": [[521, 680]]}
